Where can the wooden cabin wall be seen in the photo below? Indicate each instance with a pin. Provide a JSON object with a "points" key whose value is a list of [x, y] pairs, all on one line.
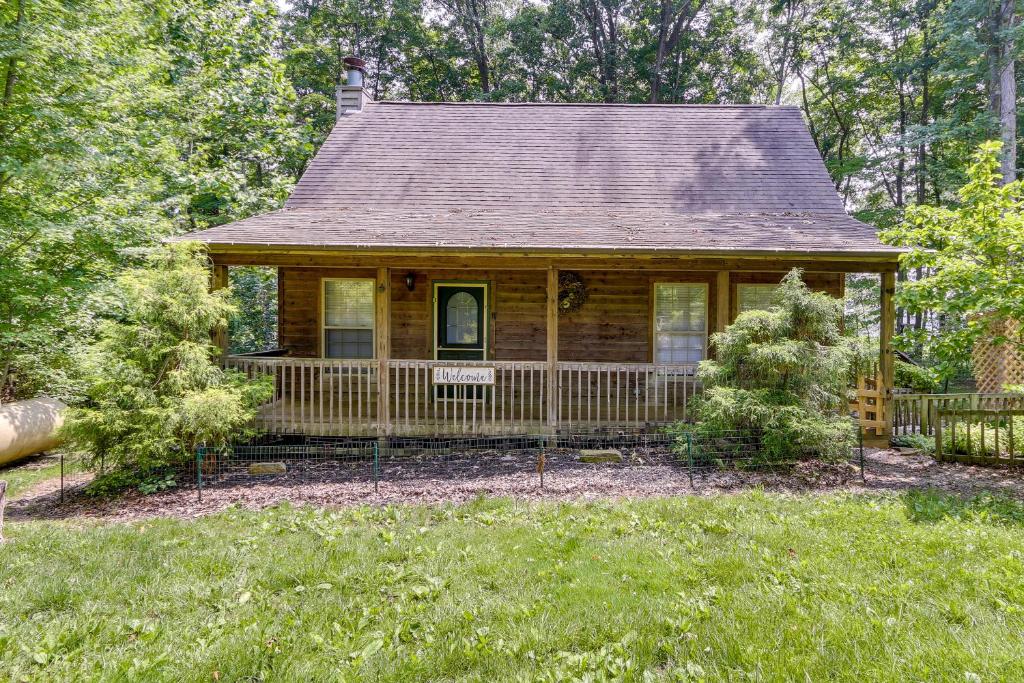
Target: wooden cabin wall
{"points": [[613, 326]]}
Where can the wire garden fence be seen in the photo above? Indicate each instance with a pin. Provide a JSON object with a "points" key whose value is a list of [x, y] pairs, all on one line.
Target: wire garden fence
{"points": [[369, 461]]}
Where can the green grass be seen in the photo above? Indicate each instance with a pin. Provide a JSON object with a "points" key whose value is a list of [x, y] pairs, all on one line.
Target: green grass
{"points": [[745, 587], [24, 475]]}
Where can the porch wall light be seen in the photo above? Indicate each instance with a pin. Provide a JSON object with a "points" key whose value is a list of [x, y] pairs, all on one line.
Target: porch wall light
{"points": [[410, 281]]}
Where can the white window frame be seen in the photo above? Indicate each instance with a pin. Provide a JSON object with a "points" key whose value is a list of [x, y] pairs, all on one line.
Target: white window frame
{"points": [[753, 285], [323, 315], [654, 315]]}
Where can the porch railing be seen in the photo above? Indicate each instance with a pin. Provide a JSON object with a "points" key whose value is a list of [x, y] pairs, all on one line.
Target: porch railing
{"points": [[623, 394], [316, 396], [515, 403], [343, 397]]}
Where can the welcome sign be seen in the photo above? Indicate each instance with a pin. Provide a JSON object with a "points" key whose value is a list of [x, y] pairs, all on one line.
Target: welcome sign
{"points": [[446, 374]]}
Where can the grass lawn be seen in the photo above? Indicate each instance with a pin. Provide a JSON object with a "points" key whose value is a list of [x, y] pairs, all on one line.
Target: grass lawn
{"points": [[744, 587], [24, 475]]}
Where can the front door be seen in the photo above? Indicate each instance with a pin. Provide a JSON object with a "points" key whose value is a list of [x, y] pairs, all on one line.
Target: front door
{"points": [[460, 313], [460, 331]]}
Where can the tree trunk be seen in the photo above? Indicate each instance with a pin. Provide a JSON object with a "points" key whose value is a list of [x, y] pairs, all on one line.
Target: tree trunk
{"points": [[12, 62], [671, 24], [1007, 91]]}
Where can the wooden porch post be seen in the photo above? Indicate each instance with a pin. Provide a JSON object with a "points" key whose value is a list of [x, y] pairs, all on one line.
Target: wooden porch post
{"points": [[382, 341], [887, 323], [722, 298], [552, 348], [219, 280]]}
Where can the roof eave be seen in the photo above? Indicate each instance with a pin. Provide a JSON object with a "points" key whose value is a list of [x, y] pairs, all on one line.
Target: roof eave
{"points": [[887, 254]]}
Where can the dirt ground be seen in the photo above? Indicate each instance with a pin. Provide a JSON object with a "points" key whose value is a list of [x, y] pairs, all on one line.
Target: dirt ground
{"points": [[646, 474]]}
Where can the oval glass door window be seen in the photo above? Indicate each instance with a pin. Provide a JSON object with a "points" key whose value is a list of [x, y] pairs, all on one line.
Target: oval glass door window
{"points": [[462, 319]]}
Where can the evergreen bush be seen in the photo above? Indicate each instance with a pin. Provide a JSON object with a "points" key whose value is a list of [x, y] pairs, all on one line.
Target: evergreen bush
{"points": [[782, 373], [155, 390]]}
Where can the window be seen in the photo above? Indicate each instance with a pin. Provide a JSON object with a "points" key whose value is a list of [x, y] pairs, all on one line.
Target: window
{"points": [[680, 322], [754, 297], [348, 318], [461, 319]]}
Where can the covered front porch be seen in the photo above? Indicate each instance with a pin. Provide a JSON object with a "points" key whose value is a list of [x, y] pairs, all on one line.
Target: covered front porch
{"points": [[381, 345]]}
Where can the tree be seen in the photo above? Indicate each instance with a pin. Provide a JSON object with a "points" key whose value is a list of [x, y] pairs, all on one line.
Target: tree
{"points": [[154, 391], [782, 374], [973, 257], [123, 123]]}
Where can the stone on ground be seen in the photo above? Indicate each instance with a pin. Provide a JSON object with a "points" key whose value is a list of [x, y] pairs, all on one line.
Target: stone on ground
{"points": [[600, 455], [267, 468]]}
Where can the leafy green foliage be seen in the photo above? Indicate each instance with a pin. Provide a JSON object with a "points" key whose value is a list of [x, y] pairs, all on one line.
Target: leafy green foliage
{"points": [[782, 373], [973, 437], [154, 389], [254, 327], [972, 253], [123, 123], [925, 444], [921, 380]]}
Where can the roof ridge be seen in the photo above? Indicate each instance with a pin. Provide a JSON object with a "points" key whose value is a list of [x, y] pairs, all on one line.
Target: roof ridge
{"points": [[623, 105]]}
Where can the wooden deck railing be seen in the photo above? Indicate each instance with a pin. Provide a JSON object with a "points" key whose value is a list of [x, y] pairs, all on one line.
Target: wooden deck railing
{"points": [[979, 436], [342, 397], [629, 395], [316, 396], [918, 413], [515, 403]]}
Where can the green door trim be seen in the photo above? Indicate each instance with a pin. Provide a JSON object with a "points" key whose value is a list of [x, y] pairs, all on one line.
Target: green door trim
{"points": [[485, 314]]}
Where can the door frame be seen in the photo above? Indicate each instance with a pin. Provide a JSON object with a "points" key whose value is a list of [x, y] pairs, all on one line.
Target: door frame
{"points": [[435, 318]]}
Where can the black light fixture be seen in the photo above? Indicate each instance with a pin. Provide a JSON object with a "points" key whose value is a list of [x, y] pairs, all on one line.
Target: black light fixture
{"points": [[410, 281]]}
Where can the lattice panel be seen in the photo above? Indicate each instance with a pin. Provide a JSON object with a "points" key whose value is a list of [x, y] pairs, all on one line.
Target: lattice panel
{"points": [[996, 365]]}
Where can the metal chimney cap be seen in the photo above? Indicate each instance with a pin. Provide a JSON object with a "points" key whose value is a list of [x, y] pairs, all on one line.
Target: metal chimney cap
{"points": [[355, 63]]}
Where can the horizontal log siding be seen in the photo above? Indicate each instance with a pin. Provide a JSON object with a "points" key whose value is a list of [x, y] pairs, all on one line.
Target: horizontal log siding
{"points": [[829, 283], [613, 326], [299, 306]]}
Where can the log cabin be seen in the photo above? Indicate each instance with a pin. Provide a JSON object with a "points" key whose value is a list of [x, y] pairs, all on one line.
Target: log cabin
{"points": [[488, 269]]}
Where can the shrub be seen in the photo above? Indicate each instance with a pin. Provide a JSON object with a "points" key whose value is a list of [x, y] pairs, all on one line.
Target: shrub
{"points": [[782, 373], [920, 380], [925, 444], [155, 391], [969, 434]]}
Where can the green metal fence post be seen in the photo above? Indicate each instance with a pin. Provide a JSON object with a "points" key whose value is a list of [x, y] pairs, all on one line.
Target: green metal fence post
{"points": [[62, 477], [199, 471], [860, 438], [689, 457], [376, 466]]}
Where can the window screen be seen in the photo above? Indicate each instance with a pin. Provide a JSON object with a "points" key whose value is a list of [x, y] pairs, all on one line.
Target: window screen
{"points": [[348, 318], [680, 322], [754, 297]]}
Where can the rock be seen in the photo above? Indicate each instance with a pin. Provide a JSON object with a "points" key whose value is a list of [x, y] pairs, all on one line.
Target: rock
{"points": [[905, 450], [600, 455], [258, 468]]}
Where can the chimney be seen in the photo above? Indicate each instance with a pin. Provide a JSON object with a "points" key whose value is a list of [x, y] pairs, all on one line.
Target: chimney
{"points": [[350, 96]]}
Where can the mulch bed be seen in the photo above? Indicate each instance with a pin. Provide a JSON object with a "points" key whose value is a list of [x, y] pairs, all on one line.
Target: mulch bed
{"points": [[643, 473]]}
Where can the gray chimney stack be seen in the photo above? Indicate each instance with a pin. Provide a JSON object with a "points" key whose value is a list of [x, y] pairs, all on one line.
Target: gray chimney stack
{"points": [[351, 96]]}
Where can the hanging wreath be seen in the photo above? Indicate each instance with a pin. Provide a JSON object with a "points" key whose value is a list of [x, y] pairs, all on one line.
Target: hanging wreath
{"points": [[572, 293]]}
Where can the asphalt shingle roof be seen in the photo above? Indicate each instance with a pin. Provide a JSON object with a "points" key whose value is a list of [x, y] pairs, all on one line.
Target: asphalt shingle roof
{"points": [[545, 176]]}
